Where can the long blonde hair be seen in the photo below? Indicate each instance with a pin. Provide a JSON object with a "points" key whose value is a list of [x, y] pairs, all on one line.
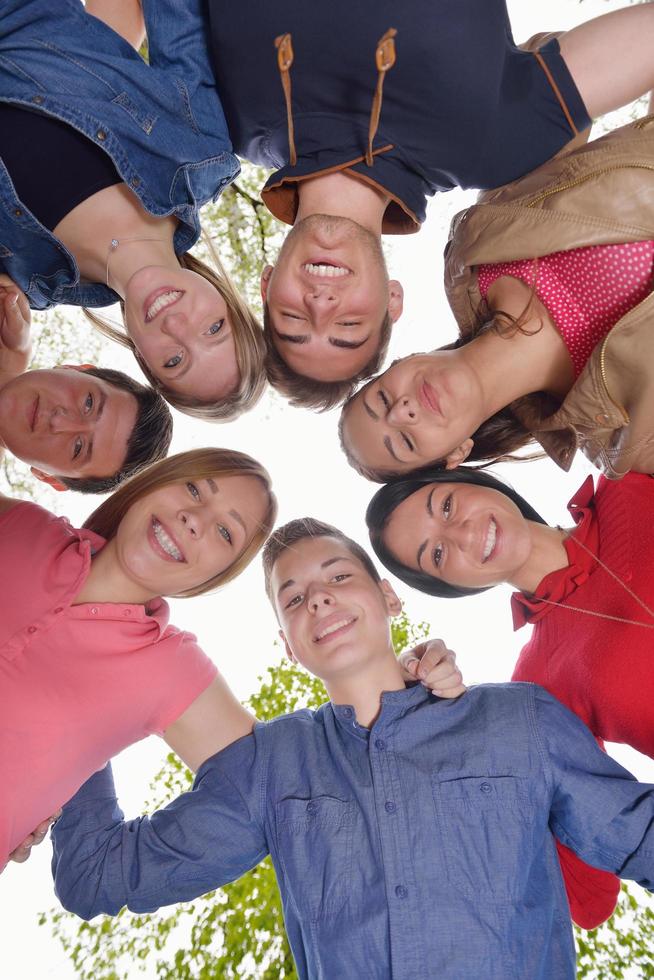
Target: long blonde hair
{"points": [[196, 464], [248, 341]]}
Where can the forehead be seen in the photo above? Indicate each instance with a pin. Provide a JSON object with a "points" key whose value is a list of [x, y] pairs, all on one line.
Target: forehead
{"points": [[308, 555]]}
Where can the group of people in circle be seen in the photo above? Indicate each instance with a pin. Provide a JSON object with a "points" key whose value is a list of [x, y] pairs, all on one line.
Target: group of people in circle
{"points": [[106, 159]]}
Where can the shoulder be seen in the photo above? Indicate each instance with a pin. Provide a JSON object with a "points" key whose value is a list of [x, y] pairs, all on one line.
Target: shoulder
{"points": [[30, 517]]}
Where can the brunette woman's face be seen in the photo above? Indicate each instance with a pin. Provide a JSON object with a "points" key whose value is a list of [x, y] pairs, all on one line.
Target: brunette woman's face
{"points": [[463, 534], [422, 409], [181, 327], [182, 535]]}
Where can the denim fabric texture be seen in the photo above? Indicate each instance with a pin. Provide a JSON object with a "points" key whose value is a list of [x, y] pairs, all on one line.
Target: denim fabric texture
{"points": [[161, 123], [419, 848]]}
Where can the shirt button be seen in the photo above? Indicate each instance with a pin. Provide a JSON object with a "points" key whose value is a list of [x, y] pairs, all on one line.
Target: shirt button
{"points": [[390, 807], [312, 806], [31, 629], [347, 712], [128, 612], [602, 417], [401, 891], [59, 609], [101, 134], [37, 99], [135, 182], [94, 610], [380, 744], [485, 788], [17, 212]]}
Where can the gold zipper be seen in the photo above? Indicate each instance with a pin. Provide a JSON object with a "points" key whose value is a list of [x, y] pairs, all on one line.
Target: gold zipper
{"points": [[582, 180]]}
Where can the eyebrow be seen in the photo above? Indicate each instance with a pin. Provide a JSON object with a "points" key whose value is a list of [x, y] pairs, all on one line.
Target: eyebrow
{"points": [[325, 564], [371, 412], [420, 553], [389, 446], [293, 339], [348, 344], [89, 445], [430, 510]]}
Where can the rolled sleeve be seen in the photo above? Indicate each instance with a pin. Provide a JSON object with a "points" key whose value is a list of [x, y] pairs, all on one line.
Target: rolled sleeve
{"points": [[203, 839], [177, 40], [598, 809]]}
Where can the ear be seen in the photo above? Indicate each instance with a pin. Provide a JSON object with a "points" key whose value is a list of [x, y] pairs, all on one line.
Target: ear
{"points": [[289, 652], [266, 273], [393, 603], [78, 367], [395, 299], [52, 481], [459, 455]]}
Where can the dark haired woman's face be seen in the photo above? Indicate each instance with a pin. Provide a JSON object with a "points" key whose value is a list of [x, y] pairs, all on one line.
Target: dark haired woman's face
{"points": [[182, 535], [466, 535], [422, 409]]}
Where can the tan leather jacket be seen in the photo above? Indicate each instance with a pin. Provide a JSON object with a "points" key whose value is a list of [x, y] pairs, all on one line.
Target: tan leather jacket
{"points": [[601, 193]]}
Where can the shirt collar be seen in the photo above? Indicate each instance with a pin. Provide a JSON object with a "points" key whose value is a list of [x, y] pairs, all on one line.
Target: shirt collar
{"points": [[394, 704]]}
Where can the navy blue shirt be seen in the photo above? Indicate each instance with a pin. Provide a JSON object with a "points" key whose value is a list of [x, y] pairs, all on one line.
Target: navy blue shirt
{"points": [[462, 106], [419, 848], [161, 124]]}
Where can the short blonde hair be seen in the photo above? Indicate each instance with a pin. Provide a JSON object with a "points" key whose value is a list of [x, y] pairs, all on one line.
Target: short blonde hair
{"points": [[197, 464], [248, 340]]}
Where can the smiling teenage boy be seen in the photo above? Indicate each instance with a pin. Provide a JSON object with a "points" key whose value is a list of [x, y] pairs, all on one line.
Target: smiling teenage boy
{"points": [[81, 428], [397, 822]]}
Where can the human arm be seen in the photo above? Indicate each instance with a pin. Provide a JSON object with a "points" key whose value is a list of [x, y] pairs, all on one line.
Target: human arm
{"points": [[434, 665], [15, 336], [597, 808], [203, 839], [125, 17], [23, 851], [214, 720]]}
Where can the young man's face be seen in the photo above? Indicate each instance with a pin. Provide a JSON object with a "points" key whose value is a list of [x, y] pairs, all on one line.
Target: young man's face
{"points": [[66, 422], [334, 618], [327, 298]]}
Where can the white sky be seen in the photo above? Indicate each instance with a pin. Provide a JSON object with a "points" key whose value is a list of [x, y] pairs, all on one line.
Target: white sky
{"points": [[237, 628]]}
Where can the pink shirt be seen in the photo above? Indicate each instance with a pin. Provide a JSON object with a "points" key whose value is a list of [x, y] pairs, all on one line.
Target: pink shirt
{"points": [[77, 683], [586, 290]]}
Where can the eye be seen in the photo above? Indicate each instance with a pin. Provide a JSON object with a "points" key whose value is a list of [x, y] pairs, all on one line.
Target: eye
{"points": [[447, 505], [78, 445], [88, 403], [437, 556], [407, 442], [382, 397], [193, 490], [173, 361], [224, 533], [349, 323], [293, 316], [216, 327], [341, 577], [294, 601]]}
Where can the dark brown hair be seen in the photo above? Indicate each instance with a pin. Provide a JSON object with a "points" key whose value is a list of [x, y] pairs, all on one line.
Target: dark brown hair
{"points": [[308, 527], [308, 392], [148, 442]]}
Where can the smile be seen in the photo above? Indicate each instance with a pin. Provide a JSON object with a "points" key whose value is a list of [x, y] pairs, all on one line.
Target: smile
{"points": [[491, 536], [161, 301], [34, 413], [429, 399], [165, 541], [335, 627], [329, 271]]}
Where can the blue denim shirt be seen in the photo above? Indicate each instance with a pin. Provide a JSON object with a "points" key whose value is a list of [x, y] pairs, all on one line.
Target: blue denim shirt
{"points": [[162, 124], [421, 848]]}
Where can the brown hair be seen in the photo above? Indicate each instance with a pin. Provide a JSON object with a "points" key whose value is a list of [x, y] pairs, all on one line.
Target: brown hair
{"points": [[308, 392], [248, 341], [149, 439], [197, 464], [308, 527]]}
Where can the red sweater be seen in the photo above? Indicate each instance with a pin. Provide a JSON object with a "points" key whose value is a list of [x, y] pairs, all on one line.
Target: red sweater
{"points": [[602, 670]]}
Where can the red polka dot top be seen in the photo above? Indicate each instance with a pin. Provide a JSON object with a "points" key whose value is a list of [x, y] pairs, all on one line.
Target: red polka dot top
{"points": [[586, 290]]}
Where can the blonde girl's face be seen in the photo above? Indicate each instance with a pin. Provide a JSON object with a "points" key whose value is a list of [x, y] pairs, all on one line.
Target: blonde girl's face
{"points": [[180, 324], [182, 535]]}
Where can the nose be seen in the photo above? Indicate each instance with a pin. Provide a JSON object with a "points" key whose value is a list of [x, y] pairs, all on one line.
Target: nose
{"points": [[321, 300], [461, 534], [63, 421], [403, 411], [172, 324], [191, 523], [319, 597]]}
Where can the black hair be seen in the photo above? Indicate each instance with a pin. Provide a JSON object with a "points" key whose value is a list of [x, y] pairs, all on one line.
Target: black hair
{"points": [[391, 495]]}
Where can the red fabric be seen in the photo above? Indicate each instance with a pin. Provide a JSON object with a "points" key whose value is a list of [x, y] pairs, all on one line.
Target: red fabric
{"points": [[602, 670], [586, 290]]}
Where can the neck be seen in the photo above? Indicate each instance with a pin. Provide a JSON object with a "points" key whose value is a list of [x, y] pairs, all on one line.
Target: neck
{"points": [[547, 555], [343, 196], [107, 582], [364, 686], [119, 215]]}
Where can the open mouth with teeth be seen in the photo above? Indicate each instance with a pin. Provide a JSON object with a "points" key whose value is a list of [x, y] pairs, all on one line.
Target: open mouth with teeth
{"points": [[491, 538], [165, 542], [334, 629], [326, 270], [161, 301]]}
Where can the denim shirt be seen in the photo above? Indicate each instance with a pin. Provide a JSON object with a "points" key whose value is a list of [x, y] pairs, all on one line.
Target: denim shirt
{"points": [[162, 124], [421, 848]]}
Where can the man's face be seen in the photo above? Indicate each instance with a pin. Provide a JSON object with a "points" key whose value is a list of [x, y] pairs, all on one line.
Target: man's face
{"points": [[334, 618], [327, 298], [66, 422]]}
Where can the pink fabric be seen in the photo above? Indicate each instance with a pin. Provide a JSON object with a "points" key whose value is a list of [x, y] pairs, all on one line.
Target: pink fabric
{"points": [[77, 683], [586, 290]]}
